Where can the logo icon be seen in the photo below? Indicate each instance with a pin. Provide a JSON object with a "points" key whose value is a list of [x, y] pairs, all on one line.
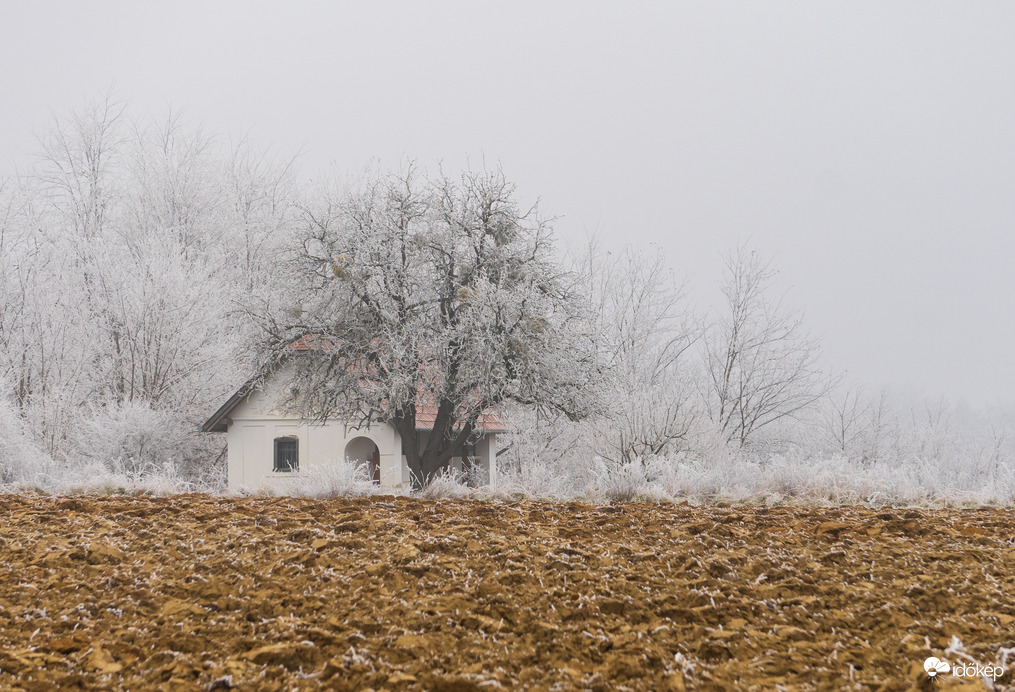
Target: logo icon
{"points": [[934, 665]]}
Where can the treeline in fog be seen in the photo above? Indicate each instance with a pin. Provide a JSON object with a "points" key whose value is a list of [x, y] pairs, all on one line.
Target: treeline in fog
{"points": [[144, 264]]}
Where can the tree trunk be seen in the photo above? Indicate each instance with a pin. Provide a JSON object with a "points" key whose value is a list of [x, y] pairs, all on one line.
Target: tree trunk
{"points": [[425, 464]]}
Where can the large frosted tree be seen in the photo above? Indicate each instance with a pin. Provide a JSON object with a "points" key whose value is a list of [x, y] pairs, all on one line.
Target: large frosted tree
{"points": [[441, 294]]}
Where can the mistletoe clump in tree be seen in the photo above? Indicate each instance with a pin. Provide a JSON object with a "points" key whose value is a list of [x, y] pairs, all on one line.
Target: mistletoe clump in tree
{"points": [[437, 294]]}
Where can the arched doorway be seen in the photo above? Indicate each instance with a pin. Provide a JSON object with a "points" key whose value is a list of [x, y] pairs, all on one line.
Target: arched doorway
{"points": [[363, 452]]}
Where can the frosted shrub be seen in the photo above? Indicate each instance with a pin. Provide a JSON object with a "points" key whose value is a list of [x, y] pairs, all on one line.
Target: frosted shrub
{"points": [[338, 479], [22, 462], [793, 477], [133, 439], [619, 482], [100, 479], [563, 478], [447, 484]]}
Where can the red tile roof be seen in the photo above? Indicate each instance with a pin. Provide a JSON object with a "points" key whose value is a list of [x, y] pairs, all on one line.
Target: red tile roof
{"points": [[311, 342], [487, 422]]}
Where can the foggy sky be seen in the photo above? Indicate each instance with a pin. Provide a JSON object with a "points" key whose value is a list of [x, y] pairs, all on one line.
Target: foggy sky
{"points": [[868, 147]]}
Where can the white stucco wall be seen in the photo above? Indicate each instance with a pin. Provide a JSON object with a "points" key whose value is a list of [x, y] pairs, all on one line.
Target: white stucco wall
{"points": [[255, 423]]}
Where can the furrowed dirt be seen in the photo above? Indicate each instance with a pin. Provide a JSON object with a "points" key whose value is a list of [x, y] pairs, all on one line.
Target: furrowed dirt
{"points": [[195, 592]]}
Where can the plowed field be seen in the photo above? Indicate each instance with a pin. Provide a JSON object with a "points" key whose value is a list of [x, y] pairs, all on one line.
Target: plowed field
{"points": [[195, 592]]}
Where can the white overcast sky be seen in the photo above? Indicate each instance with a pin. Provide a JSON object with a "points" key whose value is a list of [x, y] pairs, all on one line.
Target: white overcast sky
{"points": [[869, 147]]}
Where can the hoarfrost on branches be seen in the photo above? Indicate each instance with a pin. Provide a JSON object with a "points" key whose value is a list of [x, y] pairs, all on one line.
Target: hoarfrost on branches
{"points": [[146, 270], [125, 253], [441, 293], [762, 365]]}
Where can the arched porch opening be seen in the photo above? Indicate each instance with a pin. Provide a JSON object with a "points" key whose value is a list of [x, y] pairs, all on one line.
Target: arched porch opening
{"points": [[363, 451]]}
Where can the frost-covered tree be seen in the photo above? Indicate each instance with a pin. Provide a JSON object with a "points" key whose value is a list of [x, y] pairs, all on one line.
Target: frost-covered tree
{"points": [[645, 330], [433, 292], [762, 365], [856, 424], [126, 250]]}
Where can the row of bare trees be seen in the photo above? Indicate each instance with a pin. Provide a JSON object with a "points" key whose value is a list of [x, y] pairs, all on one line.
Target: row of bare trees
{"points": [[745, 375], [125, 250], [733, 374], [141, 263]]}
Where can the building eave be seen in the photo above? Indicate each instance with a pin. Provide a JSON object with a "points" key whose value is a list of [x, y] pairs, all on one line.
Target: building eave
{"points": [[219, 421]]}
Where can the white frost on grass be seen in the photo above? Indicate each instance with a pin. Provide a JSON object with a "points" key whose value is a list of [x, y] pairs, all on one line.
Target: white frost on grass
{"points": [[788, 478], [338, 479], [792, 477], [448, 485]]}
